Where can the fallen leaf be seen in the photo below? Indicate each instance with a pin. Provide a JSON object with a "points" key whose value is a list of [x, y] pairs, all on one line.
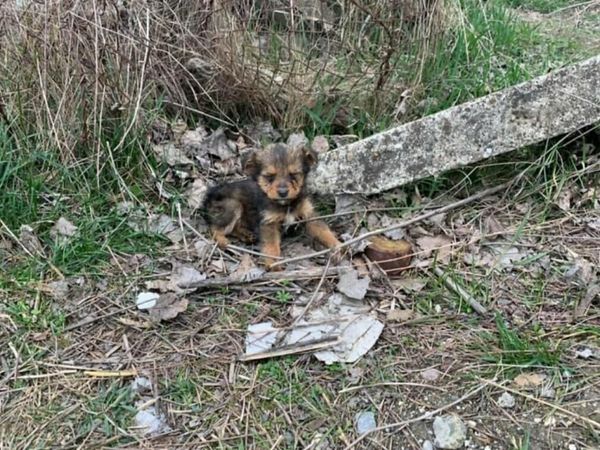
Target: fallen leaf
{"points": [[195, 193], [529, 380], [493, 228], [563, 201], [133, 323], [30, 241], [63, 230], [246, 270], [409, 284], [440, 244], [385, 222], [353, 286], [506, 256], [218, 145], [168, 306], [171, 155], [184, 275], [400, 315], [260, 337], [594, 224], [192, 141]]}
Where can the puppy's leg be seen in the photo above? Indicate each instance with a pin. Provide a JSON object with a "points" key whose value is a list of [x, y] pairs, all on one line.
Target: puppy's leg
{"points": [[224, 217], [319, 230], [270, 238]]}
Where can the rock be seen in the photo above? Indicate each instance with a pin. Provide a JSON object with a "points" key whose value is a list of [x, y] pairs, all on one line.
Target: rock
{"points": [[547, 392], [364, 422], [141, 384], [341, 140], [320, 145], [146, 300], [353, 286], [450, 432], [427, 445], [506, 401], [297, 140], [431, 374], [515, 117], [59, 289], [151, 422]]}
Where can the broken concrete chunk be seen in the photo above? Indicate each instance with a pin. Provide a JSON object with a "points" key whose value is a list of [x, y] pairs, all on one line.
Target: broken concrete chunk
{"points": [[450, 432], [353, 286], [559, 102]]}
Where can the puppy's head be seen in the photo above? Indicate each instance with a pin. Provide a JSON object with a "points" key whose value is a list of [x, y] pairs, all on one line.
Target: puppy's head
{"points": [[280, 170]]}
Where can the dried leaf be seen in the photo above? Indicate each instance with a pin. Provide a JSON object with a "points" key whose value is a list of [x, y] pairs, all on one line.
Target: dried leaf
{"points": [[400, 315], [440, 244], [30, 241], [168, 306], [171, 155], [63, 230], [246, 270], [192, 141], [195, 193], [218, 145], [529, 380], [409, 285], [353, 286]]}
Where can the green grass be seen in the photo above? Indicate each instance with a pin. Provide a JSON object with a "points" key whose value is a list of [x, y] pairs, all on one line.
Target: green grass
{"points": [[543, 6], [36, 318], [516, 349], [111, 411], [37, 188]]}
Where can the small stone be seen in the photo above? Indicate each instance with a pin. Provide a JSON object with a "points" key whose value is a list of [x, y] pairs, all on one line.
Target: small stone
{"points": [[572, 447], [427, 445], [450, 432], [364, 422], [506, 401], [547, 392], [320, 144], [431, 374], [297, 140], [146, 300], [59, 289], [141, 384]]}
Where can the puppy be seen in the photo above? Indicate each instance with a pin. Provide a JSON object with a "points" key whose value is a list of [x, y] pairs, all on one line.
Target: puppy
{"points": [[256, 208]]}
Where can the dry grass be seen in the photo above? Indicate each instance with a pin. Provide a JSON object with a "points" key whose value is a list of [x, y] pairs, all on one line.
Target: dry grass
{"points": [[71, 69]]}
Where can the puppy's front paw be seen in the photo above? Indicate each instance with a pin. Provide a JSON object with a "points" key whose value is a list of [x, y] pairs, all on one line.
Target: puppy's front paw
{"points": [[337, 254], [270, 267]]}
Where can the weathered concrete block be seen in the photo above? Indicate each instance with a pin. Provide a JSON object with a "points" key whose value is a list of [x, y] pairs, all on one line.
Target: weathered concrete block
{"points": [[560, 102]]}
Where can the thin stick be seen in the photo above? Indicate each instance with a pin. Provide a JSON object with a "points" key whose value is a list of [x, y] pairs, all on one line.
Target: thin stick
{"points": [[404, 224], [267, 276], [314, 296], [427, 415], [452, 285], [308, 346]]}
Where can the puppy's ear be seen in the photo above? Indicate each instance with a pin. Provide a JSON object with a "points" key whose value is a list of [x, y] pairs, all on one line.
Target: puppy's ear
{"points": [[251, 164], [310, 157]]}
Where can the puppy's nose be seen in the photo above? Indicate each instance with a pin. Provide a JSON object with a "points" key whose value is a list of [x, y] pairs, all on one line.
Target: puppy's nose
{"points": [[282, 191]]}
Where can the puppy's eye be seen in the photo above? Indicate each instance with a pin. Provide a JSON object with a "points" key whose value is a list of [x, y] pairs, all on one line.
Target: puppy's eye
{"points": [[269, 178], [295, 176]]}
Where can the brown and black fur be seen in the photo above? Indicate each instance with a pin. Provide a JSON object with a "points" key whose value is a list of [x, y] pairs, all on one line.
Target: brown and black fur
{"points": [[256, 208]]}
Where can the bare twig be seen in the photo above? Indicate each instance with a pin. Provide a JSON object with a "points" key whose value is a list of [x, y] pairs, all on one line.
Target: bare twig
{"points": [[478, 307], [404, 224], [301, 347], [573, 414], [426, 416], [267, 276]]}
